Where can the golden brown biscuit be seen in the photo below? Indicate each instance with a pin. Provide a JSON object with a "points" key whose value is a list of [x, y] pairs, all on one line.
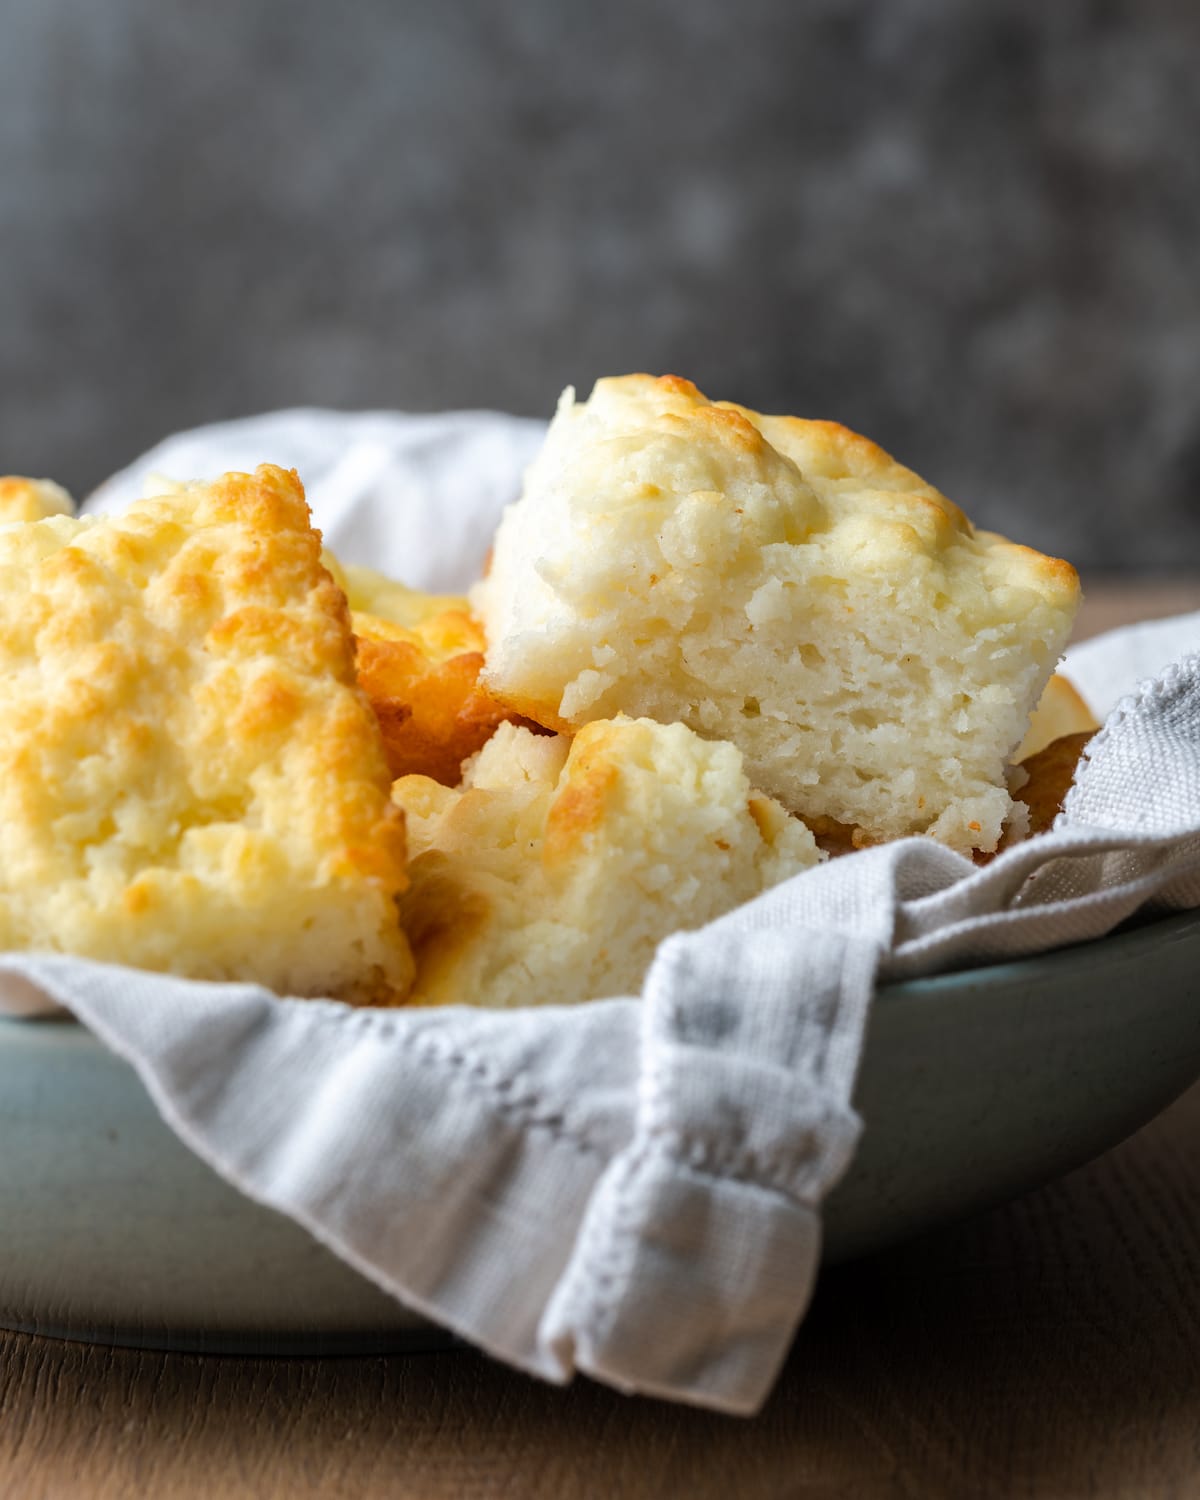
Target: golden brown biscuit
{"points": [[190, 779], [372, 593], [1051, 774], [423, 683], [24, 499]]}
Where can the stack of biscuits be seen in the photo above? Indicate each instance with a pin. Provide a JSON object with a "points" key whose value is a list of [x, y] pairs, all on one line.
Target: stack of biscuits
{"points": [[713, 649]]}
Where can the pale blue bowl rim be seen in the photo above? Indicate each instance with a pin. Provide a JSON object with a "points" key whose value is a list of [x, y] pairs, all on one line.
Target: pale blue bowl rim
{"points": [[1130, 938], [1139, 932]]}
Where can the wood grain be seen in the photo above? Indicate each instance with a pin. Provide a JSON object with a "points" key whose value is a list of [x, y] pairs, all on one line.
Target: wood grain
{"points": [[1050, 1348]]}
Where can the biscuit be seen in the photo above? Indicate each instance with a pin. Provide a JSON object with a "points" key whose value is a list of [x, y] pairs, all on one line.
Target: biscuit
{"points": [[782, 584], [1060, 711], [32, 499], [554, 872], [1050, 773], [366, 590], [423, 683], [371, 593], [190, 779]]}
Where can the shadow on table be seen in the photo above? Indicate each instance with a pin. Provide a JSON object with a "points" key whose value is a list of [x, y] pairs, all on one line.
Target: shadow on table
{"points": [[1049, 1348]]}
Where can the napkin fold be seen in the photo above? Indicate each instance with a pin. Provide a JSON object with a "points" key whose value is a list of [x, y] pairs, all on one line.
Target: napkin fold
{"points": [[630, 1188]]}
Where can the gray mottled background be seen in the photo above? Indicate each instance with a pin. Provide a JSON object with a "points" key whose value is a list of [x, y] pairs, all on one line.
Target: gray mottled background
{"points": [[970, 230]]}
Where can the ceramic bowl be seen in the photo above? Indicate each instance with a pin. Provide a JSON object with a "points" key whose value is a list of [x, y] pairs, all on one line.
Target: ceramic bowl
{"points": [[974, 1087]]}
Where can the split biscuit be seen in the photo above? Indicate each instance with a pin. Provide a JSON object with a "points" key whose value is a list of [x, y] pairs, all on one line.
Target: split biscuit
{"points": [[782, 584], [559, 866]]}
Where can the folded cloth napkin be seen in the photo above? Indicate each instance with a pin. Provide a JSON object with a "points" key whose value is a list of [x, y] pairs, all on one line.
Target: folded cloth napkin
{"points": [[630, 1188]]}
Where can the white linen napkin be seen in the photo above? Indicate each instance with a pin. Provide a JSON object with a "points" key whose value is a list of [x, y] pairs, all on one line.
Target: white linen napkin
{"points": [[630, 1188]]}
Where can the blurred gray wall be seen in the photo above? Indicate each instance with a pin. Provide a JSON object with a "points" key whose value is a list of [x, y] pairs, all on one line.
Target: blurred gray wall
{"points": [[970, 230]]}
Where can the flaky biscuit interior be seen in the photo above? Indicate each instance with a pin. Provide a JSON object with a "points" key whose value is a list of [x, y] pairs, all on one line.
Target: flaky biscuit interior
{"points": [[556, 869], [781, 584]]}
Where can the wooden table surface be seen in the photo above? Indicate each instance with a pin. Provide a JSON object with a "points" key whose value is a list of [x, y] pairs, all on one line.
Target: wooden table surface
{"points": [[1049, 1348]]}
